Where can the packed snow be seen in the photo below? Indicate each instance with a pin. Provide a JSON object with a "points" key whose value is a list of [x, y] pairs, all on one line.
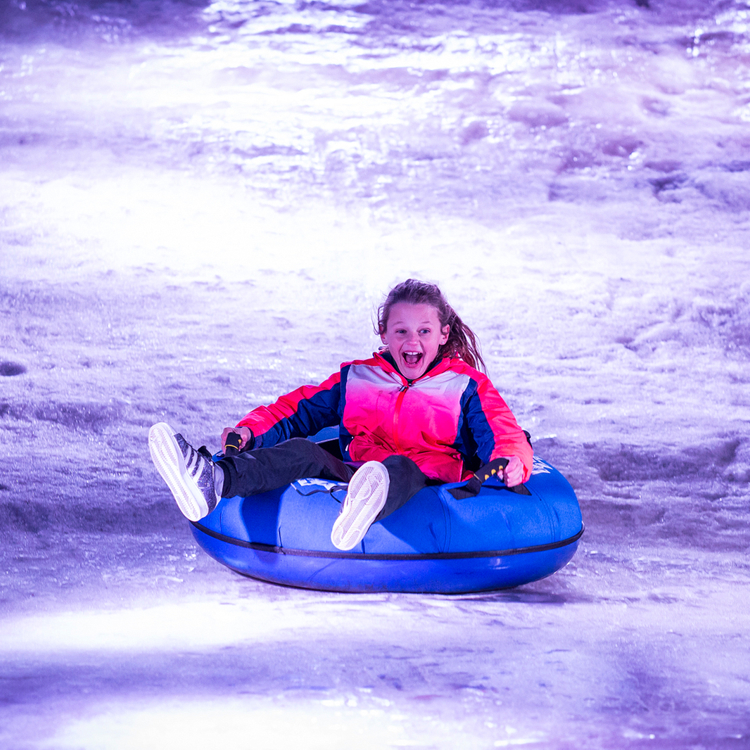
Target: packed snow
{"points": [[202, 205]]}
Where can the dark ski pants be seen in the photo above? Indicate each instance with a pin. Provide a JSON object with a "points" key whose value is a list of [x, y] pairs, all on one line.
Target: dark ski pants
{"points": [[265, 469]]}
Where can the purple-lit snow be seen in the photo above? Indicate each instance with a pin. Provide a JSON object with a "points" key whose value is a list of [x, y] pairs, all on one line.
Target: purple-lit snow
{"points": [[201, 207]]}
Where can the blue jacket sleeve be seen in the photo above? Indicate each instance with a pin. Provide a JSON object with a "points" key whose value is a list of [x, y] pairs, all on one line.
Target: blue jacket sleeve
{"points": [[301, 413]]}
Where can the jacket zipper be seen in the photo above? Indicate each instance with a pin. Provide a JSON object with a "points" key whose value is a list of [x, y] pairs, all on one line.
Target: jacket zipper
{"points": [[396, 412]]}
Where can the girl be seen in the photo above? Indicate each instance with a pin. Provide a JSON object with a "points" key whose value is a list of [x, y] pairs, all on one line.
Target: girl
{"points": [[416, 413]]}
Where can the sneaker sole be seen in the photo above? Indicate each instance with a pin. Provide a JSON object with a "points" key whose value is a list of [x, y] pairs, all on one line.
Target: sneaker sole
{"points": [[358, 514], [170, 463]]}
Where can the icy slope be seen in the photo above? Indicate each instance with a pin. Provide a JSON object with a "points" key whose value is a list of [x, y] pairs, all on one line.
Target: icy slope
{"points": [[202, 204]]}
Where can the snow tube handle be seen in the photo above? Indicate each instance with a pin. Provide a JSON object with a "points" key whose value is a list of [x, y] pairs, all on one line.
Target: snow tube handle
{"points": [[232, 446]]}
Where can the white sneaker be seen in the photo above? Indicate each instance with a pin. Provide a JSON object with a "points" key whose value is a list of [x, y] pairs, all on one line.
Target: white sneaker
{"points": [[188, 474], [368, 490]]}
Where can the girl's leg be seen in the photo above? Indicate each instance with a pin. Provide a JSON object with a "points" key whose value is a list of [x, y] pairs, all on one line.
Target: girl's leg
{"points": [[270, 468], [406, 479], [197, 483]]}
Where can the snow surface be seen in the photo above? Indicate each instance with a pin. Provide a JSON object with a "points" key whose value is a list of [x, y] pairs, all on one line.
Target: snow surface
{"points": [[202, 205]]}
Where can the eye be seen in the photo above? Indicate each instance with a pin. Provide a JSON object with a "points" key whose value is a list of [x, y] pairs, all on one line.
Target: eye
{"points": [[425, 331]]}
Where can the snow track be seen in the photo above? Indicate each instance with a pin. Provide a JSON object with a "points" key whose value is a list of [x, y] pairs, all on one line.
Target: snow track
{"points": [[201, 205]]}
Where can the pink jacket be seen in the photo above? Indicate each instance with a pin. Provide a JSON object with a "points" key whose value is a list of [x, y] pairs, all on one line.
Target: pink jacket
{"points": [[450, 415]]}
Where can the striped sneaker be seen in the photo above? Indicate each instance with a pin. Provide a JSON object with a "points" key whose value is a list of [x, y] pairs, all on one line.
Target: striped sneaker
{"points": [[368, 490], [188, 474]]}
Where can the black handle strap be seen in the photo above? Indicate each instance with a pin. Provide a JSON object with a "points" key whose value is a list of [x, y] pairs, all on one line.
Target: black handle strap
{"points": [[232, 447], [472, 487]]}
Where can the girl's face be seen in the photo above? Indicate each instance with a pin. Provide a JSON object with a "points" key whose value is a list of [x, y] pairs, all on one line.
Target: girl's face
{"points": [[413, 336]]}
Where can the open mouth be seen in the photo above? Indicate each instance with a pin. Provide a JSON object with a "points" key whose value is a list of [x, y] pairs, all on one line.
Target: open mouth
{"points": [[411, 359]]}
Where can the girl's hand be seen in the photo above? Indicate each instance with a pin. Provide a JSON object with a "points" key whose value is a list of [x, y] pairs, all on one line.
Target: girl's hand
{"points": [[245, 434], [513, 472]]}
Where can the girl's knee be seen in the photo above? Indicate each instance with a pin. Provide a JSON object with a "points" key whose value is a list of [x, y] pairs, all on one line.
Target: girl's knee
{"points": [[299, 446], [298, 442], [400, 464]]}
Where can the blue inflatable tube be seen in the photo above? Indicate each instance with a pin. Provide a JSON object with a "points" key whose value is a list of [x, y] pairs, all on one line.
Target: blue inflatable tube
{"points": [[433, 544]]}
